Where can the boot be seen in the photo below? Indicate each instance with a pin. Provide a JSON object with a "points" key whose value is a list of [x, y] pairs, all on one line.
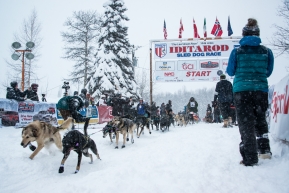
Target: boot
{"points": [[263, 147], [225, 123]]}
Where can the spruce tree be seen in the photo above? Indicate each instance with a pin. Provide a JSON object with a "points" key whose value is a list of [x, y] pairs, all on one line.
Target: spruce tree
{"points": [[114, 70]]}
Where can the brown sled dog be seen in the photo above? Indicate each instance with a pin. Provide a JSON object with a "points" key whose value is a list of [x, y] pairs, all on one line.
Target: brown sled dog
{"points": [[125, 127], [43, 133]]}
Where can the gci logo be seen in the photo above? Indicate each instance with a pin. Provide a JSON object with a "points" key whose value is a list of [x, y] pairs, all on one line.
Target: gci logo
{"points": [[187, 66]]}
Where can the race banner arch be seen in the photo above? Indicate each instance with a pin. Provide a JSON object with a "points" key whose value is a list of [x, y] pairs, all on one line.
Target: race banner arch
{"points": [[191, 60]]}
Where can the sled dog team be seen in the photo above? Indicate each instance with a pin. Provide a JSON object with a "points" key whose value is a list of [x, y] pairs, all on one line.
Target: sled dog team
{"points": [[44, 134]]}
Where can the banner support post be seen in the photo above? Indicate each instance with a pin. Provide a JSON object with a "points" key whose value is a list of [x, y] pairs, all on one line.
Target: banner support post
{"points": [[151, 78]]}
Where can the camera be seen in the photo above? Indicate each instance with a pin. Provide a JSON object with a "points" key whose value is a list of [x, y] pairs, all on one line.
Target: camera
{"points": [[66, 87]]}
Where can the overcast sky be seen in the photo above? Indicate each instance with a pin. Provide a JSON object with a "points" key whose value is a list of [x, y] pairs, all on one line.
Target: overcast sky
{"points": [[146, 23]]}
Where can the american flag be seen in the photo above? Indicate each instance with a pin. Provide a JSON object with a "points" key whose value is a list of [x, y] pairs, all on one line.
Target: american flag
{"points": [[181, 29], [165, 30]]}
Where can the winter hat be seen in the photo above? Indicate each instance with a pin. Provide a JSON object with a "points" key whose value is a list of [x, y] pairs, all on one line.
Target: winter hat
{"points": [[84, 91], [34, 87], [13, 84], [251, 28], [223, 76]]}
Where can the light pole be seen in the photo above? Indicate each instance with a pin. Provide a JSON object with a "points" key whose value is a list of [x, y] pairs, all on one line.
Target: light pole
{"points": [[28, 55]]}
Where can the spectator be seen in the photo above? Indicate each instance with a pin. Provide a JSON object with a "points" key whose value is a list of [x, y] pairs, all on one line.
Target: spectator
{"points": [[75, 93], [127, 108], [251, 64], [84, 97], [14, 93], [31, 93], [102, 101], [224, 92], [117, 104]]}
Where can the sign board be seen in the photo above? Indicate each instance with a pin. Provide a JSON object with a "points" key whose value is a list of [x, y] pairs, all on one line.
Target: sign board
{"points": [[190, 61]]}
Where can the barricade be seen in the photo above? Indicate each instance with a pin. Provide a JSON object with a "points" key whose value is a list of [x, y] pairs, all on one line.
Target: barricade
{"points": [[19, 114], [279, 117]]}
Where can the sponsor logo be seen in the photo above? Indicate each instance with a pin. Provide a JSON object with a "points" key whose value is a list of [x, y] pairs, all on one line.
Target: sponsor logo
{"points": [[220, 72], [209, 64], [159, 78], [169, 74], [187, 66], [165, 66], [160, 50]]}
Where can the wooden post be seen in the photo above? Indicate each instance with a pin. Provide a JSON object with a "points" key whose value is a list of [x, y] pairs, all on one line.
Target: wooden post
{"points": [[22, 80], [151, 78], [23, 69]]}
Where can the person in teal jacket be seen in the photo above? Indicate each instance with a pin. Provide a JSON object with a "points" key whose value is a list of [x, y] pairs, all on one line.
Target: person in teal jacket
{"points": [[69, 106], [251, 64]]}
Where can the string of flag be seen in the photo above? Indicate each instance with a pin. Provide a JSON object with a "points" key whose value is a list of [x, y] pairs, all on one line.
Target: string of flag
{"points": [[217, 30]]}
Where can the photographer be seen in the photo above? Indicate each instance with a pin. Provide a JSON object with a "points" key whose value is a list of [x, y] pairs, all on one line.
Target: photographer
{"points": [[66, 87]]}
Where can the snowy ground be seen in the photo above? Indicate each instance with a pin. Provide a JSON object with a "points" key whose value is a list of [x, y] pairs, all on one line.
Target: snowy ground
{"points": [[198, 158]]}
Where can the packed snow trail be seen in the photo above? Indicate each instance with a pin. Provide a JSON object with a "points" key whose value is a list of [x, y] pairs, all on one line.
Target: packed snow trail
{"points": [[197, 158]]}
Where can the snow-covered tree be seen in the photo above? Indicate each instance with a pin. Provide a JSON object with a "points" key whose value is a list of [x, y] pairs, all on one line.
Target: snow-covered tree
{"points": [[81, 37], [114, 70]]}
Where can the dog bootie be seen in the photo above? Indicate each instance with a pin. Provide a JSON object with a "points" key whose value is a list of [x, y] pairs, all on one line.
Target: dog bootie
{"points": [[61, 169]]}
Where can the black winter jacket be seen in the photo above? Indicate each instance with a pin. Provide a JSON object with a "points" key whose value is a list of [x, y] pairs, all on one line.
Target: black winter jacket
{"points": [[224, 89], [15, 94], [117, 104], [31, 95]]}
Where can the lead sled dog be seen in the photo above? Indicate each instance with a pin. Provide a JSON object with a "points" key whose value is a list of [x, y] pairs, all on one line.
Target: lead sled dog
{"points": [[43, 133]]}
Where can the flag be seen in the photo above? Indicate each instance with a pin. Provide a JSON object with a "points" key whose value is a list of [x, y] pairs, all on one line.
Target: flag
{"points": [[181, 29], [217, 29], [229, 28], [165, 30], [205, 28], [196, 35]]}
